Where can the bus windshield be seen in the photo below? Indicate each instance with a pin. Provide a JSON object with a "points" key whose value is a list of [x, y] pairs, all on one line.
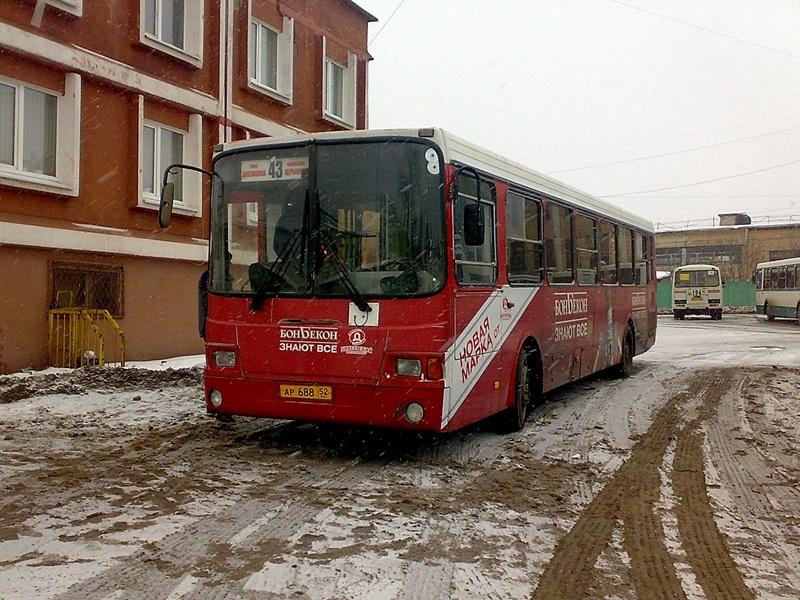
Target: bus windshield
{"points": [[355, 220], [699, 278]]}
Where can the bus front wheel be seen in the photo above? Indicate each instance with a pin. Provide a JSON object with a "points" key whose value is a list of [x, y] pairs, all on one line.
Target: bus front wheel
{"points": [[766, 312], [513, 418]]}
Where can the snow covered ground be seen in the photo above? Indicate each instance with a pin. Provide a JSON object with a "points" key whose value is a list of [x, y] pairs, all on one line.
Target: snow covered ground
{"points": [[679, 482]]}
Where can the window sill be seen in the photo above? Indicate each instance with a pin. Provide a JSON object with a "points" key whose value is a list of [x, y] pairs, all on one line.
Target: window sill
{"points": [[172, 51], [152, 204], [72, 7], [34, 181], [263, 90], [331, 118]]}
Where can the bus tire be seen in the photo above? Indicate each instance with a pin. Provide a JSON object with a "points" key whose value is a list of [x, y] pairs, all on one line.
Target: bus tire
{"points": [[766, 312], [625, 366], [512, 419]]}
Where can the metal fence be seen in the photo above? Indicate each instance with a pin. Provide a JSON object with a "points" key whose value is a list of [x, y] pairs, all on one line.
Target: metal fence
{"points": [[81, 337]]}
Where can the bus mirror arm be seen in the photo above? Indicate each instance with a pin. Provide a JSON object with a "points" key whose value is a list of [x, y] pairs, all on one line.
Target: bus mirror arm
{"points": [[474, 221], [454, 182], [168, 192]]}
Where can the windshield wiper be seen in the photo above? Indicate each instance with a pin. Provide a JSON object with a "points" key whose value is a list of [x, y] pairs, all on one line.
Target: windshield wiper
{"points": [[341, 272], [267, 281]]}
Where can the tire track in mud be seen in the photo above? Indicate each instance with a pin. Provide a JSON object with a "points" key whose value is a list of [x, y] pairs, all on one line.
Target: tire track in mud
{"points": [[631, 496], [218, 549], [225, 550], [745, 452]]}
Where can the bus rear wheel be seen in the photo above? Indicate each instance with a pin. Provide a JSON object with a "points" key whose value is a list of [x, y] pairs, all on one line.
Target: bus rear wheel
{"points": [[625, 366]]}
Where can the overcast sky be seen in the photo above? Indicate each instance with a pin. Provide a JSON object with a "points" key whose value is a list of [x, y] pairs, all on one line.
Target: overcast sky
{"points": [[674, 109]]}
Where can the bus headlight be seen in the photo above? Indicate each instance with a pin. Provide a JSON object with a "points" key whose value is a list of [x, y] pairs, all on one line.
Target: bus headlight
{"points": [[415, 412], [215, 397], [224, 358], [408, 367]]}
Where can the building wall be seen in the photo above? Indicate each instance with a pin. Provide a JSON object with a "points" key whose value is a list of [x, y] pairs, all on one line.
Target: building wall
{"points": [[736, 250], [110, 80]]}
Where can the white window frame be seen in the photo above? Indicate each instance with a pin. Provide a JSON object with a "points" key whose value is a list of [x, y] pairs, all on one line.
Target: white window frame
{"points": [[73, 7], [284, 91], [190, 203], [349, 84], [192, 52], [68, 124]]}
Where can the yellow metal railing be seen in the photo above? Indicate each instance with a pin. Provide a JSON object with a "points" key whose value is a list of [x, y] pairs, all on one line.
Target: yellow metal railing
{"points": [[84, 336]]}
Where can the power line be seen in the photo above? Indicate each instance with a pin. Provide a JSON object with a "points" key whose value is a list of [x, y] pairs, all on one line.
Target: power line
{"points": [[629, 160], [685, 185], [753, 196], [707, 30], [385, 23]]}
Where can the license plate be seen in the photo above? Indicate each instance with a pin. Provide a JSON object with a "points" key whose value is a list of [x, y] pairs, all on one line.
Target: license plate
{"points": [[318, 393]]}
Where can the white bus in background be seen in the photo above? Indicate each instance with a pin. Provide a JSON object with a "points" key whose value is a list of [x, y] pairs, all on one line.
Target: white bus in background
{"points": [[697, 290], [778, 289]]}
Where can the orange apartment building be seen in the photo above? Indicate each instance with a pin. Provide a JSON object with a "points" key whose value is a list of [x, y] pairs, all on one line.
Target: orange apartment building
{"points": [[96, 98]]}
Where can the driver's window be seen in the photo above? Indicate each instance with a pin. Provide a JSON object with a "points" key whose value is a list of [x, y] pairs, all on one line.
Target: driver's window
{"points": [[475, 265]]}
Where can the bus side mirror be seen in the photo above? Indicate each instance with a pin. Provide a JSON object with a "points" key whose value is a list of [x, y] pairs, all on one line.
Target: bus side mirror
{"points": [[474, 225], [165, 206]]}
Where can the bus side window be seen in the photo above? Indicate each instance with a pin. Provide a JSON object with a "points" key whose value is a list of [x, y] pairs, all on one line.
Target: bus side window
{"points": [[626, 266], [608, 252], [475, 265], [641, 258], [524, 239], [586, 249], [781, 278], [558, 240]]}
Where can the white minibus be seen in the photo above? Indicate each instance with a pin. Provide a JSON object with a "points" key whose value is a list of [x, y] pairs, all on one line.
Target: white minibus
{"points": [[697, 290]]}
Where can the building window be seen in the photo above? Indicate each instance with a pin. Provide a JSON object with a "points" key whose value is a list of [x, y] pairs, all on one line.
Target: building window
{"points": [[161, 147], [524, 243], [271, 59], [339, 89], [174, 27], [78, 285], [28, 129], [39, 128], [334, 89]]}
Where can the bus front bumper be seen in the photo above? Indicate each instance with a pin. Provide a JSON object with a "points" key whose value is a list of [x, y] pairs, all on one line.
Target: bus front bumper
{"points": [[353, 404]]}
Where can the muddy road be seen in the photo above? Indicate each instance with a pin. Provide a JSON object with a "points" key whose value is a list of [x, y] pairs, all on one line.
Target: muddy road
{"points": [[682, 481]]}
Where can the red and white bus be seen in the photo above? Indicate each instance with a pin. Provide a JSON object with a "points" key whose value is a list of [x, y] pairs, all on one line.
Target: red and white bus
{"points": [[410, 279]]}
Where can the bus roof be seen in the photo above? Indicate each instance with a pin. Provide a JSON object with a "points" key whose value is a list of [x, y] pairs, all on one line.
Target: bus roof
{"points": [[697, 268], [779, 263], [460, 151]]}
